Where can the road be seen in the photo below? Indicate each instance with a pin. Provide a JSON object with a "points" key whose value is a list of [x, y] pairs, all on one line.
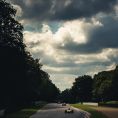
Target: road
{"points": [[54, 110]]}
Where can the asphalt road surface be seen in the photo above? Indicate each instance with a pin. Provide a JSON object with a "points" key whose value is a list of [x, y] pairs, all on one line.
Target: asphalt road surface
{"points": [[54, 110]]}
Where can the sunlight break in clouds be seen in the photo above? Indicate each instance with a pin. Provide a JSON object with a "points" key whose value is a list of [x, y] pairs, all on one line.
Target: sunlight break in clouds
{"points": [[46, 40], [75, 31]]}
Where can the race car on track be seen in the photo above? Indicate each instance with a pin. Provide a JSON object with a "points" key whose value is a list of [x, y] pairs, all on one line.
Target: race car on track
{"points": [[69, 110], [63, 104]]}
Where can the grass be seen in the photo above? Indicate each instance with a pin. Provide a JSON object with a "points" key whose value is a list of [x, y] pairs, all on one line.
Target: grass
{"points": [[25, 113], [109, 104], [94, 113], [112, 102]]}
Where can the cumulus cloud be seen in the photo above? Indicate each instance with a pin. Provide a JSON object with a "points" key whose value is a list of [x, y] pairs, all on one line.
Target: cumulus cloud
{"points": [[68, 32], [45, 44], [102, 32]]}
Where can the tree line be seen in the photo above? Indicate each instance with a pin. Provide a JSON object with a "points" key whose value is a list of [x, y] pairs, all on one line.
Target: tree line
{"points": [[22, 79], [101, 88]]}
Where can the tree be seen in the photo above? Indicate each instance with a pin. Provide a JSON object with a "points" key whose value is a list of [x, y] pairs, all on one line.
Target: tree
{"points": [[81, 91], [10, 29], [105, 87], [115, 84], [12, 51], [82, 88], [21, 78], [66, 96], [102, 84]]}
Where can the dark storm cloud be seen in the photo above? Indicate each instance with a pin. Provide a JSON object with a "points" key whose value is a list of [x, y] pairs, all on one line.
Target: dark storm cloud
{"points": [[63, 9], [34, 9], [106, 36], [99, 38], [81, 8]]}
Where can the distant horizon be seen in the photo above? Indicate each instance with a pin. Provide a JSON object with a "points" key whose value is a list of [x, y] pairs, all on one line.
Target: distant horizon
{"points": [[58, 84], [71, 38]]}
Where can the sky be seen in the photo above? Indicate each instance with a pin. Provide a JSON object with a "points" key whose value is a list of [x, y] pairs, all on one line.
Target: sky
{"points": [[71, 37]]}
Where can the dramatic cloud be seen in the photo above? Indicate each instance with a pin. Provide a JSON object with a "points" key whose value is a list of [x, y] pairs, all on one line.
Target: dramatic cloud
{"points": [[45, 44], [102, 33], [72, 9], [71, 37], [63, 9]]}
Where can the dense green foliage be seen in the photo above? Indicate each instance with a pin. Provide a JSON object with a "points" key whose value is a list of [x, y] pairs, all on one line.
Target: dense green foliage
{"points": [[105, 87], [102, 87], [21, 78], [81, 90]]}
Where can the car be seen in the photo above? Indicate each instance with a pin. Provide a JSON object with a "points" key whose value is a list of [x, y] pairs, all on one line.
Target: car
{"points": [[63, 104], [69, 110], [58, 102]]}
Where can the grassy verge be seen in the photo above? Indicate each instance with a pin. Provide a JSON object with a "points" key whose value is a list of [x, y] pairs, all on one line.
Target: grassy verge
{"points": [[25, 113], [109, 104], [94, 113]]}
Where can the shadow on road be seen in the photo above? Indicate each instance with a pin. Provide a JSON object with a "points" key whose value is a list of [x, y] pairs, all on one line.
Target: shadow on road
{"points": [[53, 110]]}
